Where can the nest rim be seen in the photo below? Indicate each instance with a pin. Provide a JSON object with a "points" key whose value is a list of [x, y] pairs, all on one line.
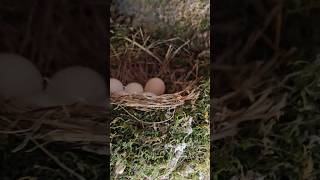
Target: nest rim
{"points": [[165, 101]]}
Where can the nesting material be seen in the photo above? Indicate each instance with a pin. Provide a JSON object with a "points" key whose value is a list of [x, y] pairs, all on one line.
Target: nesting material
{"points": [[18, 77], [155, 86], [147, 101], [77, 84], [134, 88]]}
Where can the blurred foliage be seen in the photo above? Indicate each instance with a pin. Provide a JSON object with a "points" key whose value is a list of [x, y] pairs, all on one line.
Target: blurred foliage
{"points": [[279, 149]]}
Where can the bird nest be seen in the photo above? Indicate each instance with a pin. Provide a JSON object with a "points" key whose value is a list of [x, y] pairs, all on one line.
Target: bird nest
{"points": [[136, 57], [58, 35]]}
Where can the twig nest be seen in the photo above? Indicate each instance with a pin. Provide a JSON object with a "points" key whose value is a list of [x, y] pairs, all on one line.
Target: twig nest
{"points": [[77, 84], [115, 85], [18, 77], [155, 86], [134, 88]]}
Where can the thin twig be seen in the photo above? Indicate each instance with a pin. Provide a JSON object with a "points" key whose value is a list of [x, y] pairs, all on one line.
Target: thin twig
{"points": [[143, 48]]}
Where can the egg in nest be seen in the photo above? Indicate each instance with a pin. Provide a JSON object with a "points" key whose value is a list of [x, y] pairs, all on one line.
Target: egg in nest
{"points": [[155, 86], [18, 77], [77, 84], [115, 86], [134, 88]]}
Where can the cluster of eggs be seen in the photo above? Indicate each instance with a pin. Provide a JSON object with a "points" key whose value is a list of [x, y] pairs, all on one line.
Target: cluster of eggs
{"points": [[153, 87], [22, 81]]}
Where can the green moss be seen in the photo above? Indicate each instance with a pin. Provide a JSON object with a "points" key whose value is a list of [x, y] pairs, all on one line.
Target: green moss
{"points": [[149, 150], [204, 25]]}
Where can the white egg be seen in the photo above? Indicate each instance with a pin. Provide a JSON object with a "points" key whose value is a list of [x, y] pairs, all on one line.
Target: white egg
{"points": [[18, 77], [134, 88], [115, 85], [77, 84], [156, 86]]}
